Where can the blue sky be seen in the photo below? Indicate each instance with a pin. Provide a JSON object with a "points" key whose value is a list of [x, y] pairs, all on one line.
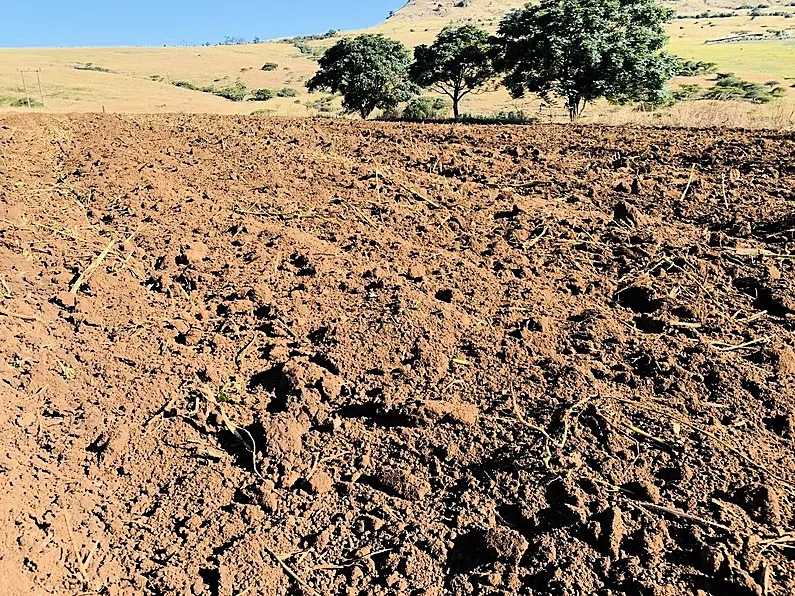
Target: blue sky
{"points": [[30, 23]]}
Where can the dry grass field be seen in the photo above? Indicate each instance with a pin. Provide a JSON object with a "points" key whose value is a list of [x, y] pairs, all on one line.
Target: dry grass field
{"points": [[141, 79]]}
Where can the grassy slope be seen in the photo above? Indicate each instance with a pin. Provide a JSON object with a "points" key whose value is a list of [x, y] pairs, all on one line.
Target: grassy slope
{"points": [[130, 89]]}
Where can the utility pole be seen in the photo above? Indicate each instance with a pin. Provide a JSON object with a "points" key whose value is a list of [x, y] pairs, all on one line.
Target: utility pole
{"points": [[25, 85], [41, 92]]}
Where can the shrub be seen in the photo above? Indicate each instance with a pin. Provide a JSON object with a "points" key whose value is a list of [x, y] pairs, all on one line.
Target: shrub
{"points": [[236, 92], [323, 105], [724, 93], [504, 117], [268, 66], [307, 50], [91, 66], [232, 41], [187, 85], [19, 102], [694, 68], [728, 86], [300, 42], [656, 102], [262, 94], [707, 15], [687, 92], [287, 92], [421, 109]]}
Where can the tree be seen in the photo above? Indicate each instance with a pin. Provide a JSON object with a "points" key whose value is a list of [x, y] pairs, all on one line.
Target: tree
{"points": [[582, 50], [458, 63], [370, 71]]}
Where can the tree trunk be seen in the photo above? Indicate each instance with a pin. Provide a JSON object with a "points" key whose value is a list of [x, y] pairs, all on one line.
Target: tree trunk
{"points": [[456, 97], [574, 107]]}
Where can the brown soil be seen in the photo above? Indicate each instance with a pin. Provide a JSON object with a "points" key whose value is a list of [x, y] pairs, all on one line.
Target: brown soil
{"points": [[323, 357]]}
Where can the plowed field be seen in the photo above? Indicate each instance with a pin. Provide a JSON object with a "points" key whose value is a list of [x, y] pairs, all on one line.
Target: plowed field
{"points": [[252, 356]]}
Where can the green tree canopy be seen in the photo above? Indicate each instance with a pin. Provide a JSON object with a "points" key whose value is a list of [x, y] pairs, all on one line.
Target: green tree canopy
{"points": [[582, 50], [370, 71], [458, 63]]}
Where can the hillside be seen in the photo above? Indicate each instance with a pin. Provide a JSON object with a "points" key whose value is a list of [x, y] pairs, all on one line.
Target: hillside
{"points": [[455, 9], [485, 9], [142, 79]]}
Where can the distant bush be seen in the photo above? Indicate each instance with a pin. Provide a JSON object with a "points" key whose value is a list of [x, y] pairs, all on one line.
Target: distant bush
{"points": [[707, 15], [18, 102], [262, 95], [655, 102], [728, 87], [21, 102], [189, 85], [91, 66], [687, 92], [300, 42], [236, 92], [323, 105], [308, 50], [315, 37], [268, 66], [232, 41], [156, 78], [421, 109], [694, 68], [287, 92], [504, 117]]}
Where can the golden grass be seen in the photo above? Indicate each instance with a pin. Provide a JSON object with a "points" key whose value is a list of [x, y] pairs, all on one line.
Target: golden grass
{"points": [[130, 88], [779, 115]]}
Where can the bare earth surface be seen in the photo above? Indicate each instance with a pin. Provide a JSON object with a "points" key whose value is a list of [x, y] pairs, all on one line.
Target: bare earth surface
{"points": [[323, 357]]}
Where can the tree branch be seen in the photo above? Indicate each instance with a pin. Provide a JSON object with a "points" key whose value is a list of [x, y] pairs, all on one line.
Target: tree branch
{"points": [[440, 89]]}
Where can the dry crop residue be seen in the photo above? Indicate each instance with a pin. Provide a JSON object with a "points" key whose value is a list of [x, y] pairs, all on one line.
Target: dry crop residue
{"points": [[252, 356]]}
